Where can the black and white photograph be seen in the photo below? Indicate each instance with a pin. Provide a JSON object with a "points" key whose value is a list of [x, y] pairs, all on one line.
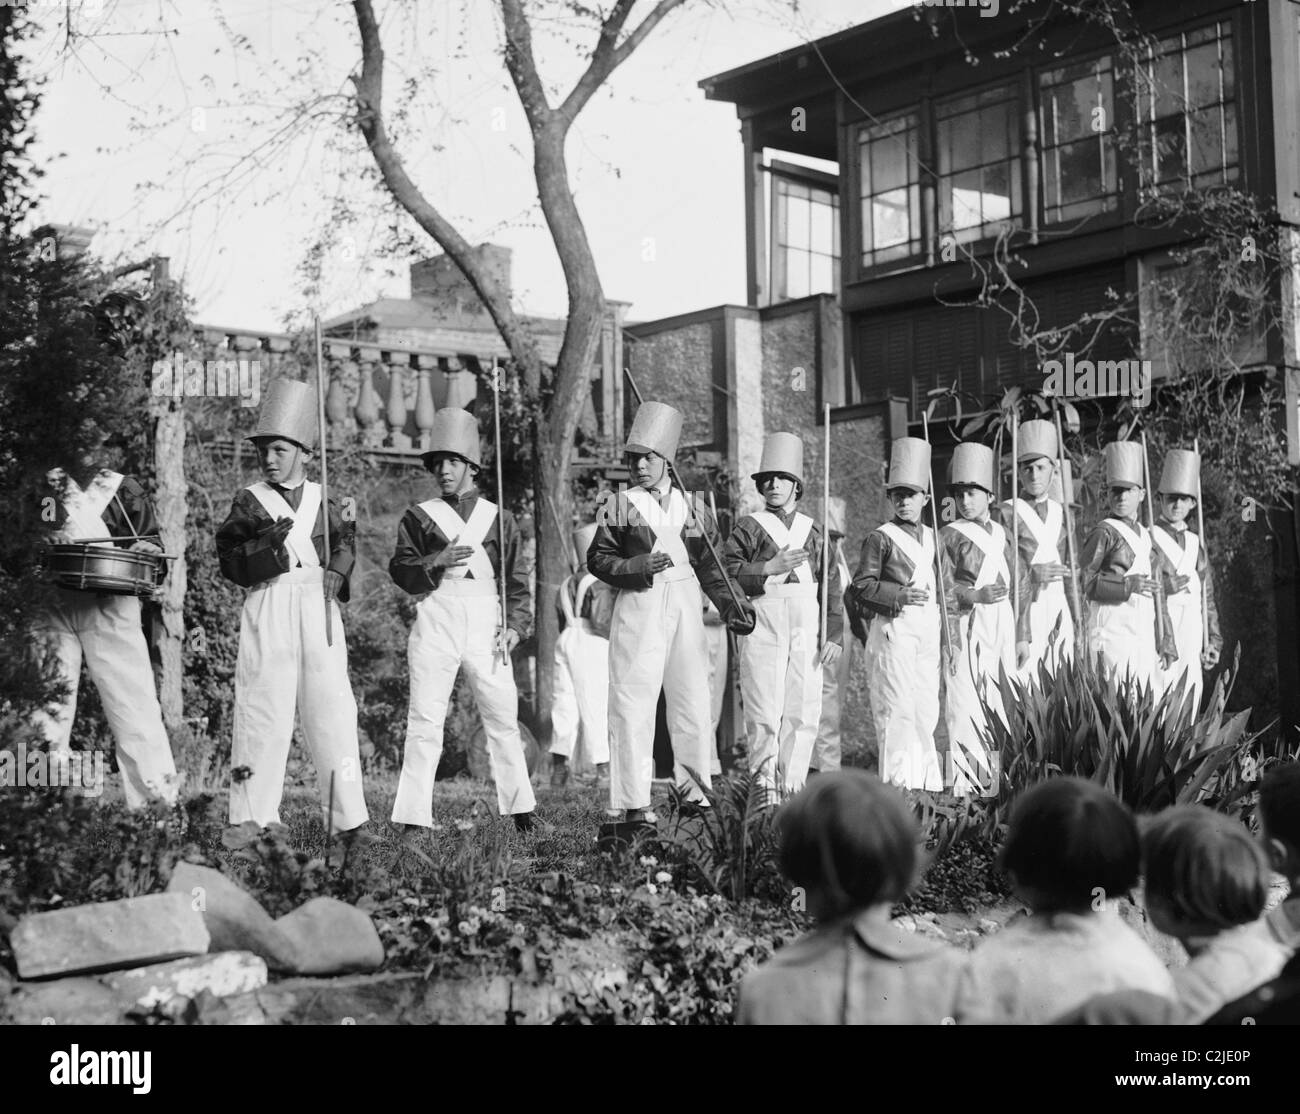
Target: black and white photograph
{"points": [[650, 512]]}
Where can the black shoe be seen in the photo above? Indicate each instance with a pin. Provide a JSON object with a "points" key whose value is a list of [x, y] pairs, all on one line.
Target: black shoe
{"points": [[523, 821], [812, 771]]}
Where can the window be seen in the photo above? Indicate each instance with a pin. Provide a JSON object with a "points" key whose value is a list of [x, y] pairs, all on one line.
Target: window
{"points": [[979, 163], [1079, 178], [1187, 111], [891, 196], [805, 238]]}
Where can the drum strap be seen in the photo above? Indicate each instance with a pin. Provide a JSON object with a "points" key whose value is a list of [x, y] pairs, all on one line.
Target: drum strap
{"points": [[86, 508]]}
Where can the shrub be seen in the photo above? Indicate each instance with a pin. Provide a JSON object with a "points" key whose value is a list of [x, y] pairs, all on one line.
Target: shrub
{"points": [[1151, 753]]}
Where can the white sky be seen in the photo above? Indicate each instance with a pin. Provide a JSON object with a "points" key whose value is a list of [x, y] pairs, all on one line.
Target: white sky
{"points": [[656, 168]]}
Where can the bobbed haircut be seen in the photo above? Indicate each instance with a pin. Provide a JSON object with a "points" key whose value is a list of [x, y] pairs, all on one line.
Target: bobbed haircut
{"points": [[1279, 803], [1068, 838], [1206, 867], [430, 461], [849, 837]]}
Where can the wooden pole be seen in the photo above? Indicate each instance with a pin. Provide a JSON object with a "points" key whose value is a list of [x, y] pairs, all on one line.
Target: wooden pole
{"points": [[944, 635], [324, 474], [1158, 592], [1079, 633], [1200, 529], [1015, 511], [501, 503], [826, 522]]}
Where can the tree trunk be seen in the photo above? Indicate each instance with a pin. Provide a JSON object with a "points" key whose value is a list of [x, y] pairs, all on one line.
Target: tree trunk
{"points": [[169, 471]]}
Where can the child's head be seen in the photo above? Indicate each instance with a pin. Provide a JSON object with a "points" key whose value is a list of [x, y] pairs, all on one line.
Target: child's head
{"points": [[850, 841], [1176, 508], [283, 461], [908, 502], [1070, 843], [1036, 475], [1203, 872], [1279, 812], [972, 501], [779, 489]]}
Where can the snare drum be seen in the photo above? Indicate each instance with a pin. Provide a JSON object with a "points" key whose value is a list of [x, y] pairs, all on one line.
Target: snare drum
{"points": [[96, 568]]}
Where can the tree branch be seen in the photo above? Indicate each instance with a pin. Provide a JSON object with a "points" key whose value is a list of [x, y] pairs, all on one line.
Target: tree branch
{"points": [[370, 85], [610, 53], [523, 66]]}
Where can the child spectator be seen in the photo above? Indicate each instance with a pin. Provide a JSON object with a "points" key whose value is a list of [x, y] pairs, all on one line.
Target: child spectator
{"points": [[1279, 811], [1277, 1001], [1072, 851], [850, 842], [1206, 885]]}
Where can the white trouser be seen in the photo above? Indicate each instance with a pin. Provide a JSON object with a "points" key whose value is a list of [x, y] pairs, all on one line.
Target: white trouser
{"points": [[903, 683], [456, 626], [781, 686], [285, 662], [106, 630], [656, 641], [988, 645], [1184, 611], [581, 693], [827, 750], [1124, 635], [1044, 612], [715, 636]]}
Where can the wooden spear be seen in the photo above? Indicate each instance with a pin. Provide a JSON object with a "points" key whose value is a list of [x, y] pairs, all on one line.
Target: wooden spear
{"points": [[1079, 633], [1200, 529], [826, 522], [324, 474], [1158, 593], [944, 635], [501, 504]]}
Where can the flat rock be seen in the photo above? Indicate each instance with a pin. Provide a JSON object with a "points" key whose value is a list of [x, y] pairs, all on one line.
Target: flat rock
{"points": [[108, 936], [331, 937], [220, 975], [77, 1001], [235, 920]]}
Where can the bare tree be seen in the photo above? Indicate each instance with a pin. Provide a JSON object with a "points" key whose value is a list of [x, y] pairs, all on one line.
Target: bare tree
{"points": [[555, 419]]}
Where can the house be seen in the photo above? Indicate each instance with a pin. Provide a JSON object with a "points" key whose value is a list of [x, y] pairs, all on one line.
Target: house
{"points": [[878, 162]]}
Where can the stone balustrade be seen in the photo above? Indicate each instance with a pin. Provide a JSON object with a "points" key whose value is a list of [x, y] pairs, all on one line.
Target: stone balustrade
{"points": [[379, 395]]}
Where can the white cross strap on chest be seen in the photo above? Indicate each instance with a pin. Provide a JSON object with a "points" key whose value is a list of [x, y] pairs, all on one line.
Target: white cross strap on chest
{"points": [[796, 537], [993, 546], [665, 526], [1139, 544], [469, 532], [580, 597], [85, 509], [298, 543], [1182, 558], [921, 553], [1046, 534]]}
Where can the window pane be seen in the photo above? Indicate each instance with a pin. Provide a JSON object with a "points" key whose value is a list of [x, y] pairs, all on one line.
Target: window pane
{"points": [[796, 280], [1081, 171], [1207, 135], [888, 164], [1171, 149], [996, 202], [960, 141], [1203, 76], [889, 215], [1167, 75], [820, 236], [965, 200], [797, 224], [823, 275]]}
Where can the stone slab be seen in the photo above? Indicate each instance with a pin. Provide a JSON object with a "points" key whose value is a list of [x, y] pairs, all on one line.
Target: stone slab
{"points": [[331, 937], [108, 936], [220, 975]]}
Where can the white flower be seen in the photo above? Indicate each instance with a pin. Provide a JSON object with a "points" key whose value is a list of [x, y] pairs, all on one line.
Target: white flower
{"points": [[652, 888], [464, 825], [436, 827], [649, 860], [663, 876], [464, 929]]}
